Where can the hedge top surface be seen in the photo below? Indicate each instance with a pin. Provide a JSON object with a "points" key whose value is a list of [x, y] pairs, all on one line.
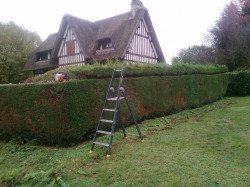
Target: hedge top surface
{"points": [[137, 69]]}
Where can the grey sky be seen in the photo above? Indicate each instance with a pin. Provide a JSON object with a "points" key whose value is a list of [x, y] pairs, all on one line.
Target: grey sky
{"points": [[178, 23]]}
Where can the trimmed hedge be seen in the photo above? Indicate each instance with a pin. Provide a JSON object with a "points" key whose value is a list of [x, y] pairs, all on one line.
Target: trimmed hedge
{"points": [[239, 83], [131, 70], [68, 112]]}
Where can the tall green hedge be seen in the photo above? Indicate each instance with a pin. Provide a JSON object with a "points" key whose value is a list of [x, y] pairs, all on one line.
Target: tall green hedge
{"points": [[239, 83], [68, 112]]}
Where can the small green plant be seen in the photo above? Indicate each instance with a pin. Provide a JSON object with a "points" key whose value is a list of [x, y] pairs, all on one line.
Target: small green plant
{"points": [[12, 176], [50, 177]]}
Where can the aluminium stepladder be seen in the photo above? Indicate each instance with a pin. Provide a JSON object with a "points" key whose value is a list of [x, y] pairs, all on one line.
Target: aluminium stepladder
{"points": [[116, 111]]}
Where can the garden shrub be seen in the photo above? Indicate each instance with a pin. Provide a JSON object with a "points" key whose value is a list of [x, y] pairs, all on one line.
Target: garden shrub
{"points": [[68, 112], [239, 83]]}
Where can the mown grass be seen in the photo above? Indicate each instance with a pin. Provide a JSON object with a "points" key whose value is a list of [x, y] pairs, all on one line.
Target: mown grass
{"points": [[208, 146]]}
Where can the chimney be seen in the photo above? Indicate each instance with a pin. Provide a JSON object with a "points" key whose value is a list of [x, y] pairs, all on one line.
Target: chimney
{"points": [[136, 5]]}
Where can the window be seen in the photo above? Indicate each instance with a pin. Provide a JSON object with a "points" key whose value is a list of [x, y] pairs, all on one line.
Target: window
{"points": [[71, 48], [43, 56], [104, 44]]}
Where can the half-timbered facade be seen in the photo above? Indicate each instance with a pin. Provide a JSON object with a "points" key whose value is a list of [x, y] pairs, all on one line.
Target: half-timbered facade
{"points": [[141, 48], [129, 37], [70, 52]]}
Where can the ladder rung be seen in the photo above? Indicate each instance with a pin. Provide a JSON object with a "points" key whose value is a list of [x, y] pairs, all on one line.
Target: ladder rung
{"points": [[100, 143], [132, 134], [103, 132], [109, 110], [107, 121], [114, 98], [118, 70]]}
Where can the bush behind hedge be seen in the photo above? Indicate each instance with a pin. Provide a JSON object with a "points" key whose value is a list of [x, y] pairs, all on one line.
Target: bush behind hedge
{"points": [[68, 112], [239, 83], [98, 70]]}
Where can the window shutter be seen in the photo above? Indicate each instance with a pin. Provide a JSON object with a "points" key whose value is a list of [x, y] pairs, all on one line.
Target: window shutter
{"points": [[71, 48]]}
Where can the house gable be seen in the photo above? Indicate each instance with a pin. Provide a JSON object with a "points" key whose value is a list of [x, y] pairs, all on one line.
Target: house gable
{"points": [[141, 47], [70, 51], [128, 37]]}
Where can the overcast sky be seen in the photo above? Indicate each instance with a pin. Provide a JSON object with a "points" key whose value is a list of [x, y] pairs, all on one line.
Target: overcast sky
{"points": [[178, 23]]}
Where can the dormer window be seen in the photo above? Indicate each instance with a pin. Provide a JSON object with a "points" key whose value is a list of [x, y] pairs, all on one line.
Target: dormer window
{"points": [[104, 44], [43, 56]]}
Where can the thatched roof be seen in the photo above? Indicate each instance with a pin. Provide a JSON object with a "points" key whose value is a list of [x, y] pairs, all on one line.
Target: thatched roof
{"points": [[85, 32], [119, 29], [47, 45]]}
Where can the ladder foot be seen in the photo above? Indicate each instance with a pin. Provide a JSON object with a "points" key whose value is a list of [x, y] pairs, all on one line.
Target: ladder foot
{"points": [[91, 151], [125, 137], [142, 141], [108, 156]]}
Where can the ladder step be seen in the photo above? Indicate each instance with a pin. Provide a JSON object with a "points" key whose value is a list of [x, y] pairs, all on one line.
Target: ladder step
{"points": [[107, 121], [118, 70], [132, 134], [103, 132], [114, 98], [109, 110], [100, 143]]}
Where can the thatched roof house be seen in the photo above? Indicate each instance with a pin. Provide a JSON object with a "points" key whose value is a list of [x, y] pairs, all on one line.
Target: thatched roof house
{"points": [[127, 37]]}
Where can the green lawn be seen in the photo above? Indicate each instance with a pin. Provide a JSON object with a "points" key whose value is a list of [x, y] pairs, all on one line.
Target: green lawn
{"points": [[208, 146]]}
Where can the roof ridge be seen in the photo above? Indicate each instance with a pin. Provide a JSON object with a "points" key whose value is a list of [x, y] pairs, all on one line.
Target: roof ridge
{"points": [[77, 18], [112, 17], [53, 34]]}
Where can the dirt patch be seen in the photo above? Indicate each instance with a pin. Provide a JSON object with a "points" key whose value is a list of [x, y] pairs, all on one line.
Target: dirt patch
{"points": [[209, 110], [225, 121], [130, 141], [152, 132], [227, 104], [173, 120], [96, 158], [166, 128]]}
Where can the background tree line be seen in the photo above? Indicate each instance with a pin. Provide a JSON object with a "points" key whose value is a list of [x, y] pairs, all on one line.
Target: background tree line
{"points": [[16, 45], [228, 42]]}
